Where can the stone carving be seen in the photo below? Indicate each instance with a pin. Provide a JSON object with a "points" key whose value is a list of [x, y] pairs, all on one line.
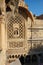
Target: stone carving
{"points": [[1, 11], [15, 44], [15, 30], [2, 8], [15, 27], [13, 4]]}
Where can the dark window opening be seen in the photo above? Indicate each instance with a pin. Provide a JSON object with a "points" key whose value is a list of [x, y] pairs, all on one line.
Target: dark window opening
{"points": [[34, 58], [28, 59], [8, 9], [41, 59], [6, 1]]}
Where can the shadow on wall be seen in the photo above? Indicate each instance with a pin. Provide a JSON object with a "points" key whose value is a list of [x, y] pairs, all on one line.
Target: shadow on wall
{"points": [[6, 1], [36, 49], [34, 57]]}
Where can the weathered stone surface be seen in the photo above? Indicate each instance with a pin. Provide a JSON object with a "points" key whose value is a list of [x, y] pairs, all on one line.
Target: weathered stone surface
{"points": [[19, 33]]}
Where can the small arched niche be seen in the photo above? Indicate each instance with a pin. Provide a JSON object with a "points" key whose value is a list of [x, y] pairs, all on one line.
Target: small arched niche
{"points": [[7, 6], [8, 9]]}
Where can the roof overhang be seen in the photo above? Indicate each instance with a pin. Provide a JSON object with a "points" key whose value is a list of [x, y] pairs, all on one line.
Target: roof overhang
{"points": [[29, 14]]}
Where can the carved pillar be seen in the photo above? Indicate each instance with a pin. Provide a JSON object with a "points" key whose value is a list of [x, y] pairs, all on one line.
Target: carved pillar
{"points": [[2, 20]]}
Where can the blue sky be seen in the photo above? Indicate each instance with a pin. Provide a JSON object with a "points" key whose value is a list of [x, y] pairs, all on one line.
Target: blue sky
{"points": [[35, 6]]}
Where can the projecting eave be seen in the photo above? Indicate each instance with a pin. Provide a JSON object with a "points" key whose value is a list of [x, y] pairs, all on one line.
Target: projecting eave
{"points": [[29, 14]]}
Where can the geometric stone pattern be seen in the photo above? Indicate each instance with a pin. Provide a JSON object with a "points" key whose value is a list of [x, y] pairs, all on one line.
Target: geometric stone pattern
{"points": [[15, 30], [20, 23], [36, 38], [15, 44]]}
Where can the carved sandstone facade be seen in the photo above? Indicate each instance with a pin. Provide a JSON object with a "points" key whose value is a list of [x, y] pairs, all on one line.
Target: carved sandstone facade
{"points": [[17, 34]]}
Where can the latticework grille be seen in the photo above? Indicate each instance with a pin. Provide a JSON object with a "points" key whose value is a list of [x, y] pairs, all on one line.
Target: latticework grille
{"points": [[19, 21], [15, 30]]}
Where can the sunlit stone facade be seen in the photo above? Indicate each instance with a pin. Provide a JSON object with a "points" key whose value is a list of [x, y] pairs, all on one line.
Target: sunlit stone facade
{"points": [[20, 32]]}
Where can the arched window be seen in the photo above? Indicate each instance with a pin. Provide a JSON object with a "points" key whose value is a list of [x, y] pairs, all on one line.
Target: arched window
{"points": [[34, 59], [28, 59], [8, 9]]}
